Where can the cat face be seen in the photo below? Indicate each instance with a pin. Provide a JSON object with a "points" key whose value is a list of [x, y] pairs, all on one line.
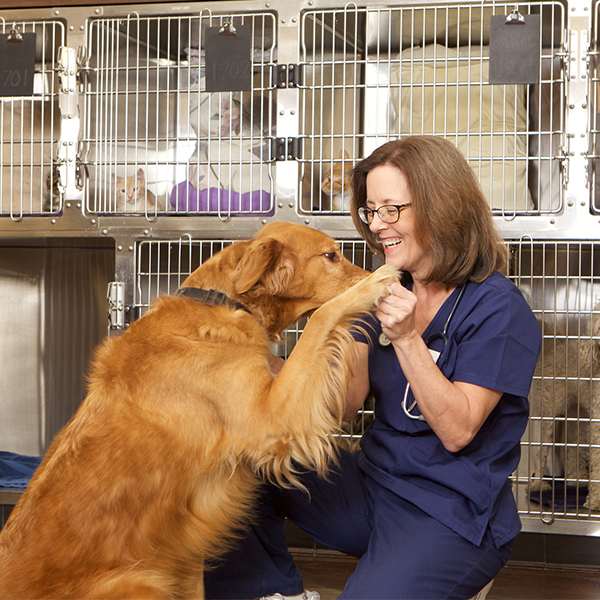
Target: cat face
{"points": [[338, 180], [131, 187], [131, 193]]}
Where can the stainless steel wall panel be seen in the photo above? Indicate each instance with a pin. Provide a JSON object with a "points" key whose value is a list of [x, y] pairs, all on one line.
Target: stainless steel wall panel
{"points": [[21, 348], [53, 312]]}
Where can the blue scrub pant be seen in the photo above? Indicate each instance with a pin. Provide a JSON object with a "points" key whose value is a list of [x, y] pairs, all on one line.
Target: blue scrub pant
{"points": [[404, 553]]}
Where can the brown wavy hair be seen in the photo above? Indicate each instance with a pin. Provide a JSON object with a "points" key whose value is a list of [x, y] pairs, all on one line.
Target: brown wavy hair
{"points": [[452, 217]]}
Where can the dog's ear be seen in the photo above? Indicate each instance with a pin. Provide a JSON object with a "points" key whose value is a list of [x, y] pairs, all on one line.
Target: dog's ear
{"points": [[267, 265]]}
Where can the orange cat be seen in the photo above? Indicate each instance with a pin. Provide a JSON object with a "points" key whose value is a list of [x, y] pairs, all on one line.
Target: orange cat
{"points": [[338, 183], [132, 195]]}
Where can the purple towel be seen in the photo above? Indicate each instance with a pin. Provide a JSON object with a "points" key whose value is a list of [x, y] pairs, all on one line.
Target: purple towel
{"points": [[16, 469], [186, 198]]}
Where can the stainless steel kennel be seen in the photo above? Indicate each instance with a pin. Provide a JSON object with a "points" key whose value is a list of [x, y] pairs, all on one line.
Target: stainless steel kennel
{"points": [[122, 171]]}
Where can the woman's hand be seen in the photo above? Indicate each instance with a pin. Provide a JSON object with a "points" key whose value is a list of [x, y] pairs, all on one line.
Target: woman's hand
{"points": [[396, 313]]}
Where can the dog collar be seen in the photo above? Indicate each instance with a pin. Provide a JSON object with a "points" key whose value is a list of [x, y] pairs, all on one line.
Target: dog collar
{"points": [[210, 297]]}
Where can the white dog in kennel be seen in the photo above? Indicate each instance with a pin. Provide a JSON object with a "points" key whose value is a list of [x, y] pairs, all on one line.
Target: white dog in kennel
{"points": [[566, 387]]}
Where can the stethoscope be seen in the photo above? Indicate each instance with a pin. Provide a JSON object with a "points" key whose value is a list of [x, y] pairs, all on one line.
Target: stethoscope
{"points": [[438, 335]]}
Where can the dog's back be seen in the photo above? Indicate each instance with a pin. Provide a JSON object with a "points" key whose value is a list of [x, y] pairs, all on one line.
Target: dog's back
{"points": [[116, 497]]}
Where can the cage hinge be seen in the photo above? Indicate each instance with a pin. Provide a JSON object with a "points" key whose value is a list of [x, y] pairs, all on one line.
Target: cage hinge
{"points": [[68, 103], [287, 76], [287, 149], [117, 313], [67, 70]]}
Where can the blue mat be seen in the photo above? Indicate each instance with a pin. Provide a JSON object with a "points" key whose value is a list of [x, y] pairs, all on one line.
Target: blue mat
{"points": [[16, 469], [562, 496]]}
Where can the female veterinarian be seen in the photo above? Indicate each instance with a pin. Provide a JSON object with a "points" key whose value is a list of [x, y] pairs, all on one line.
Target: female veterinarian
{"points": [[426, 503]]}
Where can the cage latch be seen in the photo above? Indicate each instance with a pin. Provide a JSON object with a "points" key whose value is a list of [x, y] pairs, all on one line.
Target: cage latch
{"points": [[288, 149], [70, 123], [294, 75], [116, 305], [287, 76]]}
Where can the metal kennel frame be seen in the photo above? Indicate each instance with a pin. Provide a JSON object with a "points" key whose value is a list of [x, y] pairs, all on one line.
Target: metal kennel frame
{"points": [[122, 89]]}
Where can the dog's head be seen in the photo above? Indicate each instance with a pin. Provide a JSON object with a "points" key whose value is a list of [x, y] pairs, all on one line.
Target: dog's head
{"points": [[285, 272]]}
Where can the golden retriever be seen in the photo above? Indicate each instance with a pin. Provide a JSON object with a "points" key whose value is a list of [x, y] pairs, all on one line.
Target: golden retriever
{"points": [[184, 416]]}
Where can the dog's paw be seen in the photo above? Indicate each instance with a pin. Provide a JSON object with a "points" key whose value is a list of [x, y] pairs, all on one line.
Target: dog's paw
{"points": [[386, 274], [368, 292], [380, 281]]}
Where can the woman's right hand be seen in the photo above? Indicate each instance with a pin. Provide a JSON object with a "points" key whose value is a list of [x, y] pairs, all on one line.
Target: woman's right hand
{"points": [[396, 313]]}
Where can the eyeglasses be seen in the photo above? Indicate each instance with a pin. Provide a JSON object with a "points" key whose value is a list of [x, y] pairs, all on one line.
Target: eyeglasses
{"points": [[388, 213]]}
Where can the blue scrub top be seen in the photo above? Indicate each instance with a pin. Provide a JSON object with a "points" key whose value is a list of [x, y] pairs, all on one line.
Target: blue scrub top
{"points": [[494, 342]]}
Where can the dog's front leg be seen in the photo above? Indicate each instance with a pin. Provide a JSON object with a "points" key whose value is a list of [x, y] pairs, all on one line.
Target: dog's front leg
{"points": [[306, 400]]}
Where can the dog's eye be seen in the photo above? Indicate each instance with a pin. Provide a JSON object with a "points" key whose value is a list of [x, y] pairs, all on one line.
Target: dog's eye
{"points": [[332, 256]]}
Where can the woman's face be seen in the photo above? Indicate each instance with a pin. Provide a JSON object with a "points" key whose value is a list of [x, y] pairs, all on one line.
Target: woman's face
{"points": [[387, 185]]}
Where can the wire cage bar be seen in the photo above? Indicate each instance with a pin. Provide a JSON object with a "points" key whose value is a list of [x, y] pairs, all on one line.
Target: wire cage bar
{"points": [[30, 130], [559, 474], [156, 142], [374, 74]]}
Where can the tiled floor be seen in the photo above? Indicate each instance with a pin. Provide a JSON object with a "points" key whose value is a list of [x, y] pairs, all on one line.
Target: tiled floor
{"points": [[327, 575]]}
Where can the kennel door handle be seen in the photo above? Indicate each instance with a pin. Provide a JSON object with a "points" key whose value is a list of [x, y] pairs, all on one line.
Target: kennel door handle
{"points": [[116, 305]]}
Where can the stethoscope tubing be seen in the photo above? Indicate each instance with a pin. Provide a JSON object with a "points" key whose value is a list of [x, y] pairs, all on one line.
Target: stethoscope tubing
{"points": [[443, 335]]}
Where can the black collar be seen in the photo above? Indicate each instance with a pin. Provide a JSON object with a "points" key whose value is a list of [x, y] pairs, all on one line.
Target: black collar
{"points": [[210, 297]]}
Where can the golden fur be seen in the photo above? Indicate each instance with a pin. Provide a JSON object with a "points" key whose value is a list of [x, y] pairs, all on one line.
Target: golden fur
{"points": [[183, 416]]}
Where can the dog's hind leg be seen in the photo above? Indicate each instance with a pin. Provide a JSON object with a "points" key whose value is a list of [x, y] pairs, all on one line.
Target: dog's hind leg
{"points": [[546, 437]]}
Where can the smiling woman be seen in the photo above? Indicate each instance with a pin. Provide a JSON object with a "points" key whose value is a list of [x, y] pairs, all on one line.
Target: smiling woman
{"points": [[387, 187], [452, 218]]}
